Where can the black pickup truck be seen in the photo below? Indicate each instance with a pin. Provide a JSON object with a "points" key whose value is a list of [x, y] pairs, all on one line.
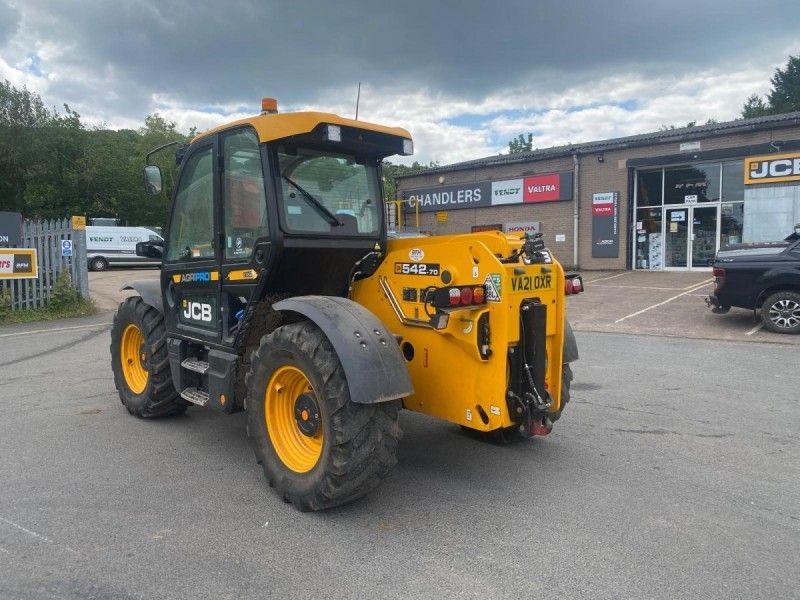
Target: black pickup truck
{"points": [[761, 276]]}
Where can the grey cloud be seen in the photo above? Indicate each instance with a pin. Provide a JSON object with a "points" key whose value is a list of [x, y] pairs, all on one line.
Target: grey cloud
{"points": [[203, 52], [9, 21]]}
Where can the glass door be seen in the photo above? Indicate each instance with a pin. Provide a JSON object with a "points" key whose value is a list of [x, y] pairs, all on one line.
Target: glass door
{"points": [[690, 236], [703, 235], [676, 237]]}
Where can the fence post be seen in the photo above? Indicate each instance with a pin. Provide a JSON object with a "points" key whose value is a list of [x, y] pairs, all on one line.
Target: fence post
{"points": [[80, 262]]}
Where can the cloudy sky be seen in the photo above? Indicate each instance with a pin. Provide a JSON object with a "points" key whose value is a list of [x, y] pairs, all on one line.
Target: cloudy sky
{"points": [[463, 76]]}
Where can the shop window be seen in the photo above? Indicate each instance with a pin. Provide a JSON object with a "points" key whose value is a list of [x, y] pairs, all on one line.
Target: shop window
{"points": [[731, 223], [648, 239], [733, 181], [770, 212], [649, 192], [692, 184]]}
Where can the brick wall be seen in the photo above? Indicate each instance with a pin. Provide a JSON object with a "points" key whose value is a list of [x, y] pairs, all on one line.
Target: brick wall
{"points": [[610, 175]]}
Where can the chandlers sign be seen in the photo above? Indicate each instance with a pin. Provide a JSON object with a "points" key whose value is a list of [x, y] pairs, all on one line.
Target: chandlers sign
{"points": [[772, 168], [18, 263], [551, 187]]}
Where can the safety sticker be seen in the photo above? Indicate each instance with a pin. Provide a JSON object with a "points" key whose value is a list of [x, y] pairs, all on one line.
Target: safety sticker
{"points": [[416, 254], [469, 414], [495, 410], [475, 272], [492, 283]]}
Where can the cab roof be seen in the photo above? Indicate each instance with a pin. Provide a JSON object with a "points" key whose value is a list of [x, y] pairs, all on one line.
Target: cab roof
{"points": [[275, 126]]}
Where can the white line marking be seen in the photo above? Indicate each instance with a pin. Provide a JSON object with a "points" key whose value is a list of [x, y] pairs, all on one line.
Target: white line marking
{"points": [[4, 335], [668, 300], [608, 277], [755, 329], [36, 535], [695, 284]]}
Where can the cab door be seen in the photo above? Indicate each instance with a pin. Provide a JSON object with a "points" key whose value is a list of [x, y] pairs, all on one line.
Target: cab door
{"points": [[190, 276]]}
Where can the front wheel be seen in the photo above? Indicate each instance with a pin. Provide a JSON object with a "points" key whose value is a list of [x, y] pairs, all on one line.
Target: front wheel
{"points": [[140, 361], [98, 264], [317, 448], [781, 312]]}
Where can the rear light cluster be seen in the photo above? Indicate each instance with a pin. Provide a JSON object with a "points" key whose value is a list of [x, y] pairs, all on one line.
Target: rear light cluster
{"points": [[573, 284], [719, 278], [451, 297]]}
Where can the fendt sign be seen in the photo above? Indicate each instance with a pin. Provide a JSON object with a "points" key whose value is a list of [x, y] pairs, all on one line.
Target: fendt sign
{"points": [[772, 168], [550, 187]]}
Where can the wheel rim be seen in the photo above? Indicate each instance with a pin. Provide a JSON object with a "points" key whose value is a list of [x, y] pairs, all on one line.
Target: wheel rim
{"points": [[785, 314], [289, 401], [133, 358]]}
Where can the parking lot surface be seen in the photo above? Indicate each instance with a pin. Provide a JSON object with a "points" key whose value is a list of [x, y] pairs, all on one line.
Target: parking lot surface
{"points": [[674, 473]]}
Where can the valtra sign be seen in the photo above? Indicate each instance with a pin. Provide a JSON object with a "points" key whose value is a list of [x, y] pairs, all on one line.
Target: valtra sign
{"points": [[551, 187]]}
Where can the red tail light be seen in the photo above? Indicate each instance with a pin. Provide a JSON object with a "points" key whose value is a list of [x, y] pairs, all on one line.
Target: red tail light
{"points": [[568, 287], [451, 297], [719, 278], [577, 285]]}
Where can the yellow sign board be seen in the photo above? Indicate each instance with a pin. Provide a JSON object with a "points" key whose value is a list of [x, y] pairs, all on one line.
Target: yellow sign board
{"points": [[18, 263], [78, 222], [441, 217], [772, 168]]}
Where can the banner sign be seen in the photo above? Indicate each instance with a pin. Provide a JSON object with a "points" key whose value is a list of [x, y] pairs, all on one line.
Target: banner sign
{"points": [[18, 263], [10, 229], [605, 225], [551, 187], [524, 227], [772, 168]]}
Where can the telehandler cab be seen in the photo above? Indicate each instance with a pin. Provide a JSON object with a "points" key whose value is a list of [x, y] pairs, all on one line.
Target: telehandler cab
{"points": [[281, 295]]}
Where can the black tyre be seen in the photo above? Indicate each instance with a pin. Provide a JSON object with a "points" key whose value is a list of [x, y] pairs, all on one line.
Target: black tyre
{"points": [[98, 263], [317, 448], [781, 312], [140, 361]]}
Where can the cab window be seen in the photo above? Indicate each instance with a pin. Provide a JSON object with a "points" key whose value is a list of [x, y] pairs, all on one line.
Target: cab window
{"points": [[244, 201], [191, 233], [327, 193]]}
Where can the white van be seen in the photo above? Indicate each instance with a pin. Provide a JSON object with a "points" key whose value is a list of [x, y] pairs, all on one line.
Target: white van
{"points": [[116, 246]]}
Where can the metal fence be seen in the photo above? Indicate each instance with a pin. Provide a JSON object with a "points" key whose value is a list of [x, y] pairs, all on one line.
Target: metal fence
{"points": [[47, 236]]}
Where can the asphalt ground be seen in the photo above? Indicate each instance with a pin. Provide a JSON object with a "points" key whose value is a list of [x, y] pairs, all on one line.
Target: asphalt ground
{"points": [[673, 474]]}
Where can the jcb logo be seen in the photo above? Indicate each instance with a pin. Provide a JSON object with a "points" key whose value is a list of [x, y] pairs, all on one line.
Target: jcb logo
{"points": [[197, 311]]}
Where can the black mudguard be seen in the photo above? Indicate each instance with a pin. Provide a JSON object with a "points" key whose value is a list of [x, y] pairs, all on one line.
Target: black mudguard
{"points": [[149, 290], [570, 344], [373, 364]]}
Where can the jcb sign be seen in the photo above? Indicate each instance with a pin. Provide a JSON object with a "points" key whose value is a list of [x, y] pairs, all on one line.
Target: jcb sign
{"points": [[772, 168]]}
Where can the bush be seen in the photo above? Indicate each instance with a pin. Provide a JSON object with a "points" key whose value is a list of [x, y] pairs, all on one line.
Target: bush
{"points": [[64, 293], [5, 301]]}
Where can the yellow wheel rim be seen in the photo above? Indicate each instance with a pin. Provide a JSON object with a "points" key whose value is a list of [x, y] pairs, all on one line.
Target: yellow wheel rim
{"points": [[287, 389], [133, 358]]}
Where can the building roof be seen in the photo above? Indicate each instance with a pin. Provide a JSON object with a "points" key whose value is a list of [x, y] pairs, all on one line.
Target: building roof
{"points": [[631, 141]]}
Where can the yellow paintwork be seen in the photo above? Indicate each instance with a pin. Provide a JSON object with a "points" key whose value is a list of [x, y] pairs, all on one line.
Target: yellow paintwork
{"points": [[133, 358], [297, 451], [242, 275], [271, 127], [450, 379]]}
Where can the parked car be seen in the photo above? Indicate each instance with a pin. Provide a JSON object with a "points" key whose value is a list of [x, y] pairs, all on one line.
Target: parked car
{"points": [[116, 246], [761, 277]]}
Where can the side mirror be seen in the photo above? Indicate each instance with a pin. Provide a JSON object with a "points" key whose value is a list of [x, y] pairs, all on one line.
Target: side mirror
{"points": [[150, 249], [152, 180]]}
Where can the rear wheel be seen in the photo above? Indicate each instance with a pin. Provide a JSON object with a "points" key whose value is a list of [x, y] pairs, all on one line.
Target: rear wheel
{"points": [[317, 448], [781, 312], [98, 264], [140, 362]]}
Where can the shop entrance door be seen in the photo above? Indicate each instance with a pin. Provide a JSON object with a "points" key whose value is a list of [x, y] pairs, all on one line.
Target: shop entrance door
{"points": [[690, 237]]}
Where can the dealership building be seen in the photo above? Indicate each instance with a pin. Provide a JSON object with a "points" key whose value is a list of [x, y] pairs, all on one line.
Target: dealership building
{"points": [[658, 201]]}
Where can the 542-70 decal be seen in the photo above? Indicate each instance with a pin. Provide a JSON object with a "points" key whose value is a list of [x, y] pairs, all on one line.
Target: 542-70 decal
{"points": [[404, 268]]}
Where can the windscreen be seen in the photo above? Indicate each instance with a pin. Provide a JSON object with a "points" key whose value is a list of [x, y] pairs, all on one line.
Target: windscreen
{"points": [[328, 193]]}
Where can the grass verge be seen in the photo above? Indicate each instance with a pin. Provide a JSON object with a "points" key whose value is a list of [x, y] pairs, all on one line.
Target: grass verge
{"points": [[79, 308]]}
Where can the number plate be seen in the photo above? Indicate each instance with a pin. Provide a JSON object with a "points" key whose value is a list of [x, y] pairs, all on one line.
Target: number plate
{"points": [[531, 283], [431, 269]]}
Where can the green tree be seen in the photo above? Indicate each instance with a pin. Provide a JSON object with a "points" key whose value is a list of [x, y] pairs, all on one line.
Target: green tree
{"points": [[520, 144], [755, 106], [392, 171], [782, 98]]}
